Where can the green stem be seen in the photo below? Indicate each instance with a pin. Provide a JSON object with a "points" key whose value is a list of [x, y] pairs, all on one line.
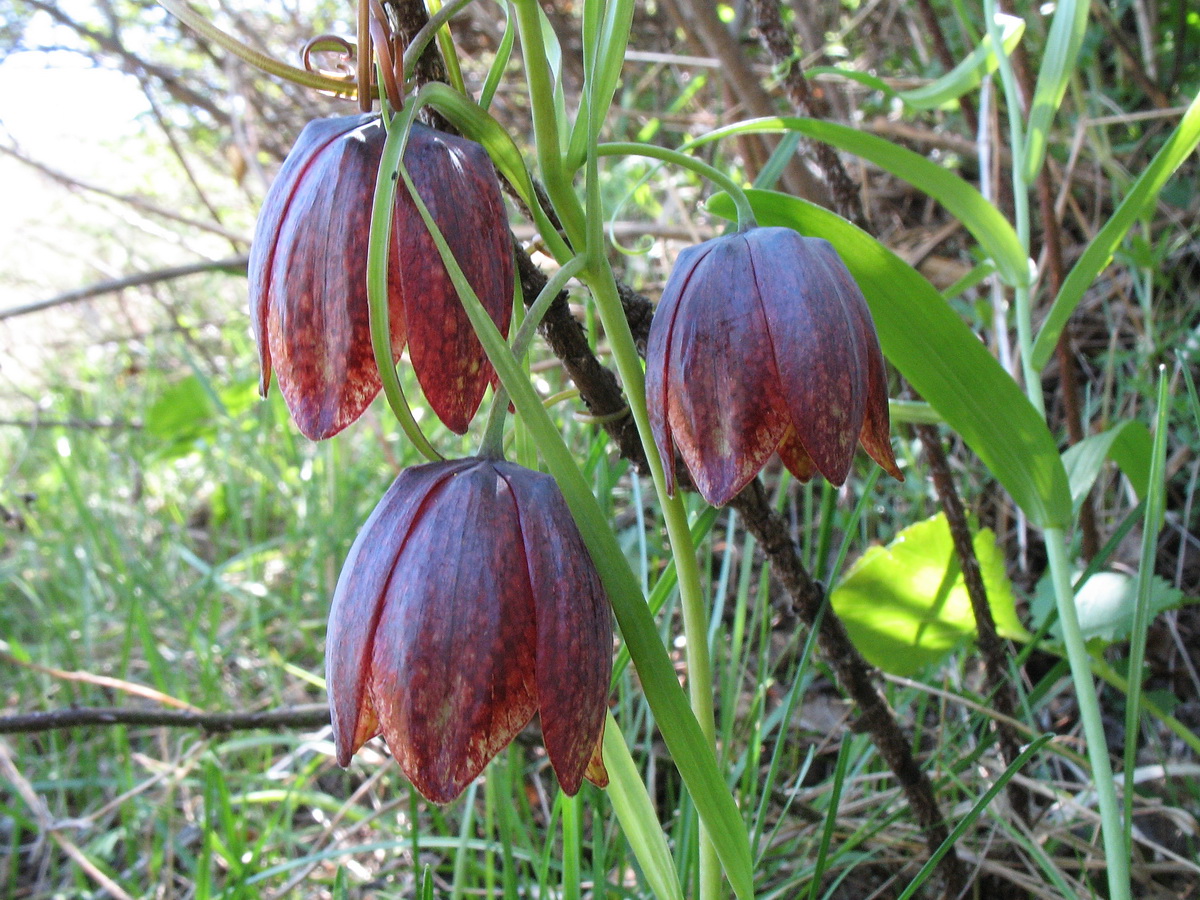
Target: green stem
{"points": [[1116, 856], [572, 832], [1020, 189], [428, 32], [745, 213], [599, 278], [545, 122], [685, 739], [378, 246], [493, 436]]}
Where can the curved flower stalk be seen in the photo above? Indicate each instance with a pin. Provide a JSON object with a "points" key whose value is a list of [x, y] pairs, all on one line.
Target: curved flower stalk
{"points": [[469, 603], [763, 344], [308, 295]]}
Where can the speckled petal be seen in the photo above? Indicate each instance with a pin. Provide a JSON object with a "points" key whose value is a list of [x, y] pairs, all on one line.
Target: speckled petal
{"points": [[574, 625], [725, 415], [816, 339], [309, 287], [452, 667], [793, 455], [358, 603], [876, 430], [658, 351], [456, 181]]}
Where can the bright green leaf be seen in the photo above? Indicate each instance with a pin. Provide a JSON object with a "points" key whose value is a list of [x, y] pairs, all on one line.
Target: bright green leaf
{"points": [[906, 605], [923, 338], [639, 820]]}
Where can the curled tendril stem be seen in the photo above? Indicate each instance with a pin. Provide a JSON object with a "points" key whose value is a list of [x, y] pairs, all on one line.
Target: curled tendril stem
{"points": [[331, 43]]}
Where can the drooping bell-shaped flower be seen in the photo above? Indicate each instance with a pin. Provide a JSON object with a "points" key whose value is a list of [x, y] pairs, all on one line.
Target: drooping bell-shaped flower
{"points": [[307, 272], [469, 603], [762, 344]]}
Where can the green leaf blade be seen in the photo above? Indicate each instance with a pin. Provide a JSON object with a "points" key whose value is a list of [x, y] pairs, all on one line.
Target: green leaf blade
{"points": [[1100, 251]]}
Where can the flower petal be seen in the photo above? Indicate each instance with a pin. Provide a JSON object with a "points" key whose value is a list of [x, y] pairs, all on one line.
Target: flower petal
{"points": [[317, 317], [817, 343], [793, 455], [574, 625], [456, 181], [726, 419], [658, 345], [452, 668], [315, 137], [876, 430], [358, 602]]}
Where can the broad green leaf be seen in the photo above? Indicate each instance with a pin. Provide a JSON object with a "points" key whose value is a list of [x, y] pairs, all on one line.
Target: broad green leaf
{"points": [[964, 77], [1058, 62], [1105, 604], [1099, 253], [906, 605], [639, 820], [940, 357], [1126, 444], [993, 232]]}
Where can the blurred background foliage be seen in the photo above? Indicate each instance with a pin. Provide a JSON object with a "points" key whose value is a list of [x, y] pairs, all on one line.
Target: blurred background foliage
{"points": [[168, 539]]}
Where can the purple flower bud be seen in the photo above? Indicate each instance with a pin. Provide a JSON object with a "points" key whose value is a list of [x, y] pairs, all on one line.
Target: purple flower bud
{"points": [[308, 273], [763, 343], [467, 604]]}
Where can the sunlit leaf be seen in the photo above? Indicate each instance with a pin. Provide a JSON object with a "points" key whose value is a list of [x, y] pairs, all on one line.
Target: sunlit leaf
{"points": [[985, 223], [906, 605]]}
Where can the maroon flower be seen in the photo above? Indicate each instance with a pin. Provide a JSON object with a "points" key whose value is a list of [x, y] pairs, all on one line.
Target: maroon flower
{"points": [[467, 604], [308, 289], [762, 343]]}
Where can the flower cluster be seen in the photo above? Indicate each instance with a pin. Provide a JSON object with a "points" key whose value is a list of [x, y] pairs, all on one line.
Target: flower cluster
{"points": [[469, 602]]}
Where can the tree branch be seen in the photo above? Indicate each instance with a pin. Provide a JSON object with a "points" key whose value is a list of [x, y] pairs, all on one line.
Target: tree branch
{"points": [[313, 716]]}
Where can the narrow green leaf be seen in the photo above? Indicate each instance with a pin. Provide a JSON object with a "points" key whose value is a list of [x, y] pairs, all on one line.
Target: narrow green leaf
{"points": [[500, 62], [906, 605], [976, 811], [1099, 252], [1155, 511], [1127, 444], [964, 77], [1058, 62], [969, 73], [993, 232], [681, 732], [639, 820], [941, 358]]}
